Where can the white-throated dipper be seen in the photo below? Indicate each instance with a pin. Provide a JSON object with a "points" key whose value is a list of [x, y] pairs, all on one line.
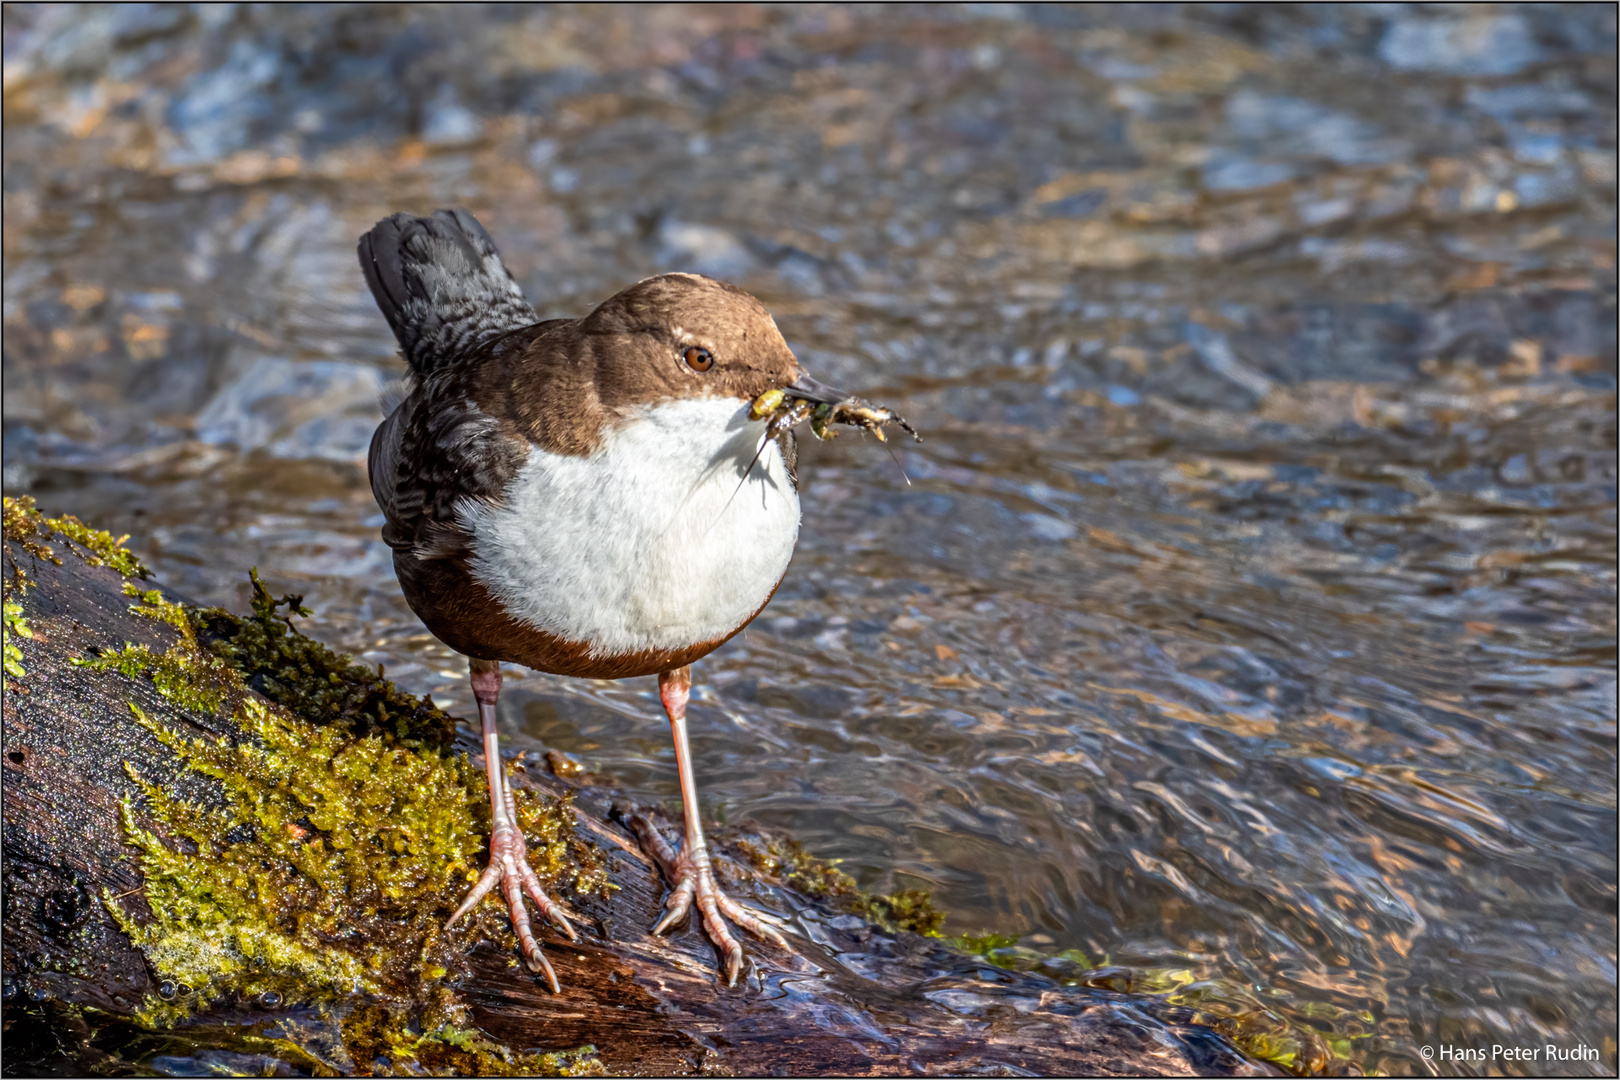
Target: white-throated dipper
{"points": [[589, 497]]}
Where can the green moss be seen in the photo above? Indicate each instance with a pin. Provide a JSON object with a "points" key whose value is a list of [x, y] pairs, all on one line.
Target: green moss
{"points": [[153, 605], [102, 547], [26, 526], [14, 624], [308, 678], [449, 1050], [199, 687], [910, 909], [295, 885], [786, 861], [363, 1037], [337, 846], [336, 853]]}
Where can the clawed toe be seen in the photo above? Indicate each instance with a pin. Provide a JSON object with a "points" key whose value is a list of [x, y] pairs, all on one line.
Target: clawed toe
{"points": [[696, 885], [691, 877], [678, 908], [509, 868]]}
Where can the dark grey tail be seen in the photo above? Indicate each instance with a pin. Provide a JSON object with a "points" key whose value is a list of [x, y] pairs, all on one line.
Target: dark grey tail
{"points": [[441, 285]]}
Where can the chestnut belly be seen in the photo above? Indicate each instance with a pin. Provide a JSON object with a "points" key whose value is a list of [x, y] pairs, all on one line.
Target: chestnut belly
{"points": [[459, 611]]}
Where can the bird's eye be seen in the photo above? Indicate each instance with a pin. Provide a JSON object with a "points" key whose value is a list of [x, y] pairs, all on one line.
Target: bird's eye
{"points": [[698, 358]]}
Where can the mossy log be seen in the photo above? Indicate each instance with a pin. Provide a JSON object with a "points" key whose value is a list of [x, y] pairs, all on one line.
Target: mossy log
{"points": [[169, 908]]}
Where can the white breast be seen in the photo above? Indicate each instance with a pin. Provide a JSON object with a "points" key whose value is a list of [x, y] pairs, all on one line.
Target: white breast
{"points": [[655, 541]]}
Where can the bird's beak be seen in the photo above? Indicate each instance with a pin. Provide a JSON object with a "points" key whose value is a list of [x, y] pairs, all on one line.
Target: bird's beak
{"points": [[807, 388]]}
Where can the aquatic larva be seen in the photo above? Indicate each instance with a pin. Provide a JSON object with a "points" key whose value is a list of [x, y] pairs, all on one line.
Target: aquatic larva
{"points": [[781, 411]]}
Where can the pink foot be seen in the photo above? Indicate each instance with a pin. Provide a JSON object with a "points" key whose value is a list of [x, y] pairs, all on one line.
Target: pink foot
{"points": [[509, 868], [692, 878]]}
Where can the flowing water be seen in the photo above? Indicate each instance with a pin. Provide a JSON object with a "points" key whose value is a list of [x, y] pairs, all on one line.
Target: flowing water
{"points": [[1248, 619]]}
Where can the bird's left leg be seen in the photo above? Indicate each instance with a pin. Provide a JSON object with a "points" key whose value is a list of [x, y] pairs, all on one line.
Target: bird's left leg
{"points": [[508, 852], [690, 873]]}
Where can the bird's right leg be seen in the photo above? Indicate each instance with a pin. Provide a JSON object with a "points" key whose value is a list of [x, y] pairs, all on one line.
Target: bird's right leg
{"points": [[690, 871], [508, 852]]}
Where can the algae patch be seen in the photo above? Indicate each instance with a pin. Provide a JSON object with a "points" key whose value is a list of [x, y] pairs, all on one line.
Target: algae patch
{"points": [[786, 861], [1323, 1047], [1224, 1005]]}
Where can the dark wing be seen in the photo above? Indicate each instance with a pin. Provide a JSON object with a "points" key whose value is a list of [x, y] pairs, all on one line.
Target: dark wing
{"points": [[435, 451], [441, 285]]}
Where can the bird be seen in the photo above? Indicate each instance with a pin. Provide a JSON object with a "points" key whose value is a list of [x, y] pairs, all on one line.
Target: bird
{"points": [[590, 497]]}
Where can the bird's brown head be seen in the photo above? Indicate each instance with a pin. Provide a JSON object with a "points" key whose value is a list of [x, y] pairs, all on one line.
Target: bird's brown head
{"points": [[685, 336]]}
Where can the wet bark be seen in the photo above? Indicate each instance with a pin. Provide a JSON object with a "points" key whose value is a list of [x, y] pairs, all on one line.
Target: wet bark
{"points": [[853, 999]]}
